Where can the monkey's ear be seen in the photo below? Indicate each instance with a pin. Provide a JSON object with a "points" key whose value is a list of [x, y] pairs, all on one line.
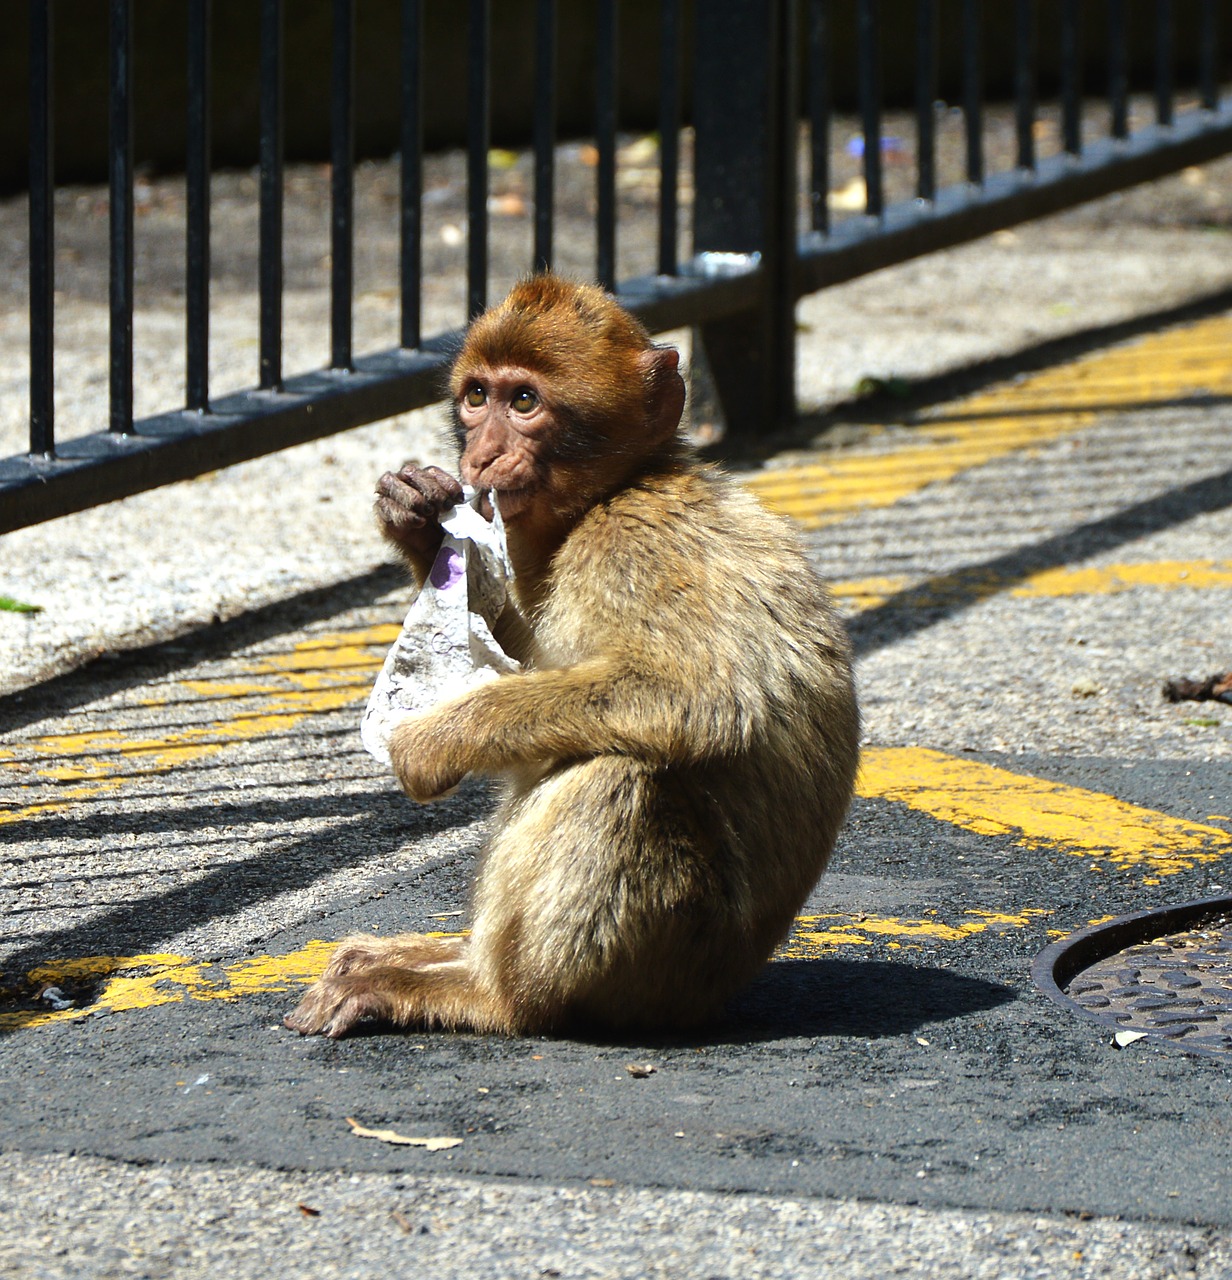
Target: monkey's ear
{"points": [[665, 391]]}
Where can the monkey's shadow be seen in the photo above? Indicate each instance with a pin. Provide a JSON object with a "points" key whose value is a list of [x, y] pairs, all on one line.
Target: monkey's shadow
{"points": [[856, 998]]}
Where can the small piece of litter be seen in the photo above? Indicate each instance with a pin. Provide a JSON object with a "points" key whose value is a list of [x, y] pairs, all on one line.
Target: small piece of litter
{"points": [[399, 1139], [639, 1070], [308, 1211], [1124, 1038]]}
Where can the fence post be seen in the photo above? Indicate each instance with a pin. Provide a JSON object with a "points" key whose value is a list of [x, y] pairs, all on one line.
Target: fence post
{"points": [[745, 203]]}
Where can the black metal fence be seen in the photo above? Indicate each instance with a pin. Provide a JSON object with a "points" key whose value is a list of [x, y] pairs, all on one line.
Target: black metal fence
{"points": [[763, 231]]}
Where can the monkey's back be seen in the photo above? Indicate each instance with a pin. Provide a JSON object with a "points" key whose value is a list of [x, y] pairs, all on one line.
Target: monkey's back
{"points": [[737, 717]]}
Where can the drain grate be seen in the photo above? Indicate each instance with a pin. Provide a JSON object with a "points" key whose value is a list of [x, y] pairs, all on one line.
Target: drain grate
{"points": [[1166, 973]]}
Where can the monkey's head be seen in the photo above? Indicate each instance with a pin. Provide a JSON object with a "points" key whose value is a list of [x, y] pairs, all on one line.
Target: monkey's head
{"points": [[559, 395]]}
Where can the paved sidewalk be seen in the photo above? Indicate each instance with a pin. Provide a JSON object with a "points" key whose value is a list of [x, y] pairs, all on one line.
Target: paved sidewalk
{"points": [[184, 828]]}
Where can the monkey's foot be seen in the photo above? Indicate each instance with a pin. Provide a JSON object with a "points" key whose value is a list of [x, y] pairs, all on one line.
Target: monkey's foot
{"points": [[334, 1006]]}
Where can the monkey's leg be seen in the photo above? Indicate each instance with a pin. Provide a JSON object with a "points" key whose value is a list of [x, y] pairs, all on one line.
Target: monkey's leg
{"points": [[613, 895], [362, 951]]}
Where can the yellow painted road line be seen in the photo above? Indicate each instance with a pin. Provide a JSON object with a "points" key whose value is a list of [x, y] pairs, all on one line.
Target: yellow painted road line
{"points": [[1037, 813], [147, 981], [269, 695], [826, 493], [821, 935], [1166, 575], [1023, 414]]}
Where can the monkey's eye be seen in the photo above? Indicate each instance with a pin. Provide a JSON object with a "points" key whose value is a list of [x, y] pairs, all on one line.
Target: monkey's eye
{"points": [[476, 397], [524, 400]]}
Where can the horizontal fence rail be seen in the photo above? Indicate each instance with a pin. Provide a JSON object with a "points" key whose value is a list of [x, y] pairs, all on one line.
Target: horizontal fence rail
{"points": [[768, 223]]}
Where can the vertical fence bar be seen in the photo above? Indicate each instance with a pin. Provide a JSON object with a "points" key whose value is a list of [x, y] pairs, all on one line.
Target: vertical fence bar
{"points": [[820, 93], [342, 184], [545, 131], [925, 97], [478, 127], [1164, 89], [669, 135], [1024, 83], [869, 60], [1208, 56], [410, 243], [197, 220], [605, 140], [745, 147], [120, 37], [1071, 76], [42, 232], [270, 231], [973, 76], [1118, 69]]}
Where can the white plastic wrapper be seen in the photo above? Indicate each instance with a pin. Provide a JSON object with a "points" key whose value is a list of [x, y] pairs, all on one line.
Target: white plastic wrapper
{"points": [[446, 645]]}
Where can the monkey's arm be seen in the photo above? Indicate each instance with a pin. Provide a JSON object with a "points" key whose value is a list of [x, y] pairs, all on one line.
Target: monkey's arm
{"points": [[602, 706]]}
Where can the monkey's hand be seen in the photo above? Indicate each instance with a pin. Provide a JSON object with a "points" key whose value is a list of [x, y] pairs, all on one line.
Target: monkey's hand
{"points": [[427, 762], [409, 503]]}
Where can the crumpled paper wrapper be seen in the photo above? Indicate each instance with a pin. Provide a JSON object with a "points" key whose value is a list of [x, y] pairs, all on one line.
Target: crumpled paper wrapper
{"points": [[446, 645]]}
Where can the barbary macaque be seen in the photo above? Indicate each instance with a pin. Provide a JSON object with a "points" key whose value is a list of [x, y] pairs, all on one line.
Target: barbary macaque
{"points": [[680, 748]]}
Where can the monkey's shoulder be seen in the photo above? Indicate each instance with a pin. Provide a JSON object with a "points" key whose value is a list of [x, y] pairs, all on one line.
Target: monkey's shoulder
{"points": [[688, 541]]}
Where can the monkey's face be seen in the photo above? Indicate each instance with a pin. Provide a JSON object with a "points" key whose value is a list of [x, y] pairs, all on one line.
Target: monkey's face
{"points": [[507, 431], [559, 395]]}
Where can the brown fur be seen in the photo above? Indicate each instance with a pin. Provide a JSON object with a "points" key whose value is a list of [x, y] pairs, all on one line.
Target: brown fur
{"points": [[681, 750]]}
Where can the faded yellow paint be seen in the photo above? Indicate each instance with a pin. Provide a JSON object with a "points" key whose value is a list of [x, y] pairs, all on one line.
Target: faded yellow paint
{"points": [[1037, 813], [867, 593], [319, 675], [824, 493], [1164, 574], [147, 981], [860, 931], [1019, 415]]}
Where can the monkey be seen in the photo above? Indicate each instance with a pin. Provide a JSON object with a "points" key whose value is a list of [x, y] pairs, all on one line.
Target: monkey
{"points": [[679, 750]]}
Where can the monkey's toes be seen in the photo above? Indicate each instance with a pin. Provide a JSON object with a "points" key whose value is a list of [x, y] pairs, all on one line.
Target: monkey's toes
{"points": [[333, 1007]]}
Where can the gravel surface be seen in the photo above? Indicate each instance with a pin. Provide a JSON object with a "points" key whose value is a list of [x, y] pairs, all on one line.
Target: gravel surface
{"points": [[198, 1221]]}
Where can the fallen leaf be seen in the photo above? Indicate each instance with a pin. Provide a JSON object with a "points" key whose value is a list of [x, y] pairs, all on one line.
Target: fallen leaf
{"points": [[1124, 1038], [851, 197], [308, 1211], [639, 1071], [10, 605], [507, 206], [401, 1140]]}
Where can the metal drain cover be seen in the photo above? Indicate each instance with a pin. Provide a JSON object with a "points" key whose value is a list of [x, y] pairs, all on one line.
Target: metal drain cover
{"points": [[1166, 973]]}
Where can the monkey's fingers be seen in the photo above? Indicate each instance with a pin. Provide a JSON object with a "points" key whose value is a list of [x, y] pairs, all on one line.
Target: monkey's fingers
{"points": [[421, 768], [409, 504]]}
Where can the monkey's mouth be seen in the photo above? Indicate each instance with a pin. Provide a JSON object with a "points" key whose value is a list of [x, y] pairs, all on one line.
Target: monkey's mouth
{"points": [[512, 502]]}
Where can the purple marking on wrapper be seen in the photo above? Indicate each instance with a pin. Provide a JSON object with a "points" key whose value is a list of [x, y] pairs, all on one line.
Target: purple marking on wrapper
{"points": [[446, 569]]}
